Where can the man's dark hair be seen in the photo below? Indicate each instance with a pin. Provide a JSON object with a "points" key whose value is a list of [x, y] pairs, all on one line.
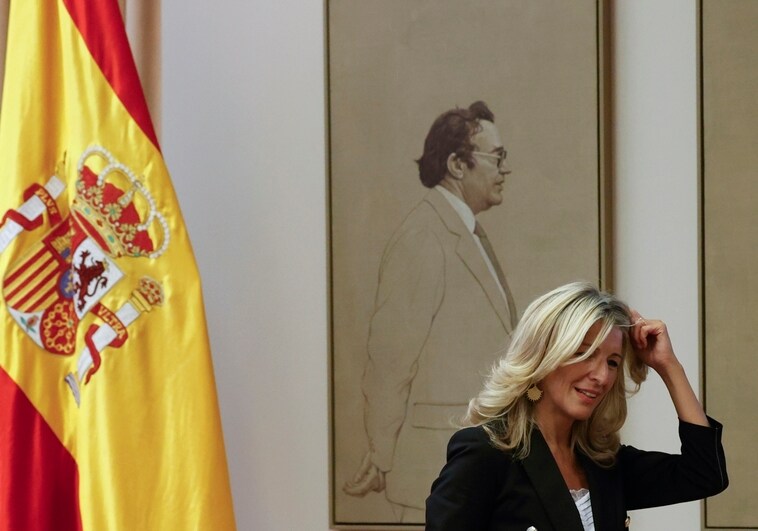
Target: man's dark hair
{"points": [[450, 133]]}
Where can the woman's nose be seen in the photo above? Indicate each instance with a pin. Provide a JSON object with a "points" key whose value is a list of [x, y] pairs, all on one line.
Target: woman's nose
{"points": [[599, 371]]}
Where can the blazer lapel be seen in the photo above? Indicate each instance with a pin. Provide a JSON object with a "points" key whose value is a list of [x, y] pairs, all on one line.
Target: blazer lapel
{"points": [[551, 488], [469, 253]]}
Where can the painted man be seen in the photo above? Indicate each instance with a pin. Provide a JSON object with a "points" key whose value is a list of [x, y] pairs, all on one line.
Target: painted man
{"points": [[443, 312]]}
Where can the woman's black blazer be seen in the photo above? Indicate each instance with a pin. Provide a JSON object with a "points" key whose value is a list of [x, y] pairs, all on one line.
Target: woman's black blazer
{"points": [[484, 488]]}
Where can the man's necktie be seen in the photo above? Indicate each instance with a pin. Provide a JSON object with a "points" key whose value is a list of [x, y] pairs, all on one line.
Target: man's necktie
{"points": [[479, 231]]}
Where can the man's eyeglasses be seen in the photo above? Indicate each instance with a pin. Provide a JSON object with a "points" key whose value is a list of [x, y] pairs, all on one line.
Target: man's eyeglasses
{"points": [[500, 156]]}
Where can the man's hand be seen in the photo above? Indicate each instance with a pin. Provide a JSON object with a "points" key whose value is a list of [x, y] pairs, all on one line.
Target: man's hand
{"points": [[368, 478]]}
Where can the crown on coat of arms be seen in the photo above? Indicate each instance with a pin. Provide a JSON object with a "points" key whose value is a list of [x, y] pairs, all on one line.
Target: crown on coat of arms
{"points": [[116, 209]]}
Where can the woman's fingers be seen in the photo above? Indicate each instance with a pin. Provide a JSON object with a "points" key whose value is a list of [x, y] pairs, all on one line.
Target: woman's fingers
{"points": [[639, 337]]}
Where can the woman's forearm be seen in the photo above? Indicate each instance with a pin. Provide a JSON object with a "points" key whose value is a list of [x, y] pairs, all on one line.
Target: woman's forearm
{"points": [[687, 406]]}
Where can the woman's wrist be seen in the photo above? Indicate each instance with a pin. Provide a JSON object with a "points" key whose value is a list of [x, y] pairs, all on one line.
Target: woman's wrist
{"points": [[686, 403], [670, 370]]}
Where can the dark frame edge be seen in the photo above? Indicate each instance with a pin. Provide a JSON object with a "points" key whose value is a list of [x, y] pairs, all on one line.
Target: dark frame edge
{"points": [[328, 272], [700, 223], [605, 143]]}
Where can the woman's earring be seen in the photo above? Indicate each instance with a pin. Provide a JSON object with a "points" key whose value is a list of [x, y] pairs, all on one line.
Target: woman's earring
{"points": [[534, 393]]}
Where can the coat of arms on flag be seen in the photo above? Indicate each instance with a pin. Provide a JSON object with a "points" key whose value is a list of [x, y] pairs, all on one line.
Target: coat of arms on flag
{"points": [[67, 274]]}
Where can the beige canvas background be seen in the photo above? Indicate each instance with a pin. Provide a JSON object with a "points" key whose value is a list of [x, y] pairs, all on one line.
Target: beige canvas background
{"points": [[730, 247], [394, 66]]}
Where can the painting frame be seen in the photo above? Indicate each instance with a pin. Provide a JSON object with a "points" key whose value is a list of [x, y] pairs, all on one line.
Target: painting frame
{"points": [[600, 161], [727, 117]]}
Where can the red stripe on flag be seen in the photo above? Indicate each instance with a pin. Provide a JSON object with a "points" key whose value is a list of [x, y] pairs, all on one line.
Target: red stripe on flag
{"points": [[20, 270], [40, 283], [31, 277], [39, 480], [102, 28], [33, 307]]}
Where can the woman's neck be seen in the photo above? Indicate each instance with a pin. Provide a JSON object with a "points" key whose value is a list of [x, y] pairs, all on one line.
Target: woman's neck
{"points": [[555, 430], [557, 434]]}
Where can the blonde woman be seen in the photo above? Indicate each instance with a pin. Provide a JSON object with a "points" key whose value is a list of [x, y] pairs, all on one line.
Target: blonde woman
{"points": [[543, 450]]}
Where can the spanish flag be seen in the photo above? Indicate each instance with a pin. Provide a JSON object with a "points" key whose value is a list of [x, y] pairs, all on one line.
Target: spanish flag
{"points": [[108, 413]]}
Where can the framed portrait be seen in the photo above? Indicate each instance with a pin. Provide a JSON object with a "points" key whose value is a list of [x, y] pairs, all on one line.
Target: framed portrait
{"points": [[467, 175], [729, 246]]}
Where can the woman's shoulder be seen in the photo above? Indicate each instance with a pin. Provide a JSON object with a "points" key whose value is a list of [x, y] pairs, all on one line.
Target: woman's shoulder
{"points": [[474, 463], [465, 493], [472, 435], [476, 443]]}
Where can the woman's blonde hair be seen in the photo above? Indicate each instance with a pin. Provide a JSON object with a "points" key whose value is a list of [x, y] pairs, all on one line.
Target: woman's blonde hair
{"points": [[549, 335]]}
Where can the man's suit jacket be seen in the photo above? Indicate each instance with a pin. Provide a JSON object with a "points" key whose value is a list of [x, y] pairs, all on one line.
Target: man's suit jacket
{"points": [[439, 323], [484, 488]]}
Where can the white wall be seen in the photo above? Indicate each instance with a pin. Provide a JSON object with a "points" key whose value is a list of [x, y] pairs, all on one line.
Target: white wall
{"points": [[244, 138], [656, 232]]}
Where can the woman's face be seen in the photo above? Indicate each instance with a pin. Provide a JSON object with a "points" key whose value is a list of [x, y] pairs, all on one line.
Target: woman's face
{"points": [[572, 392]]}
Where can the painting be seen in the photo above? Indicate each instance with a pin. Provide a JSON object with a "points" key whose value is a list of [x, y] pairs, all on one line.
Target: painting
{"points": [[729, 247], [467, 175]]}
